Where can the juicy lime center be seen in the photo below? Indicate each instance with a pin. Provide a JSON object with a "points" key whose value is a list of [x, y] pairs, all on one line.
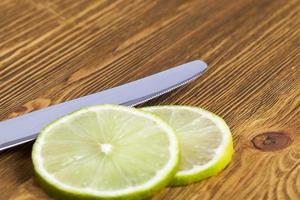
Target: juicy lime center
{"points": [[105, 148]]}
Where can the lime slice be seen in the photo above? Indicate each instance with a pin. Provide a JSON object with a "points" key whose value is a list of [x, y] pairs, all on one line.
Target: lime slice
{"points": [[205, 140], [106, 152]]}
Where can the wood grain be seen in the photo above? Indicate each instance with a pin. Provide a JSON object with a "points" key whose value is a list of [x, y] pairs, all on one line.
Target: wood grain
{"points": [[53, 51]]}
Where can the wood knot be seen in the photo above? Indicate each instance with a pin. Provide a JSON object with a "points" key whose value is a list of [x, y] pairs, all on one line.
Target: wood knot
{"points": [[271, 141]]}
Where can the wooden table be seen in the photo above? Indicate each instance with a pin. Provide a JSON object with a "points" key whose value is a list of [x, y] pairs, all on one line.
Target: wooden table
{"points": [[53, 51]]}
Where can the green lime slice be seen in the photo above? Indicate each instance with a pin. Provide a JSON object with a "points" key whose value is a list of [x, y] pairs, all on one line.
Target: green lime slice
{"points": [[205, 140], [106, 152]]}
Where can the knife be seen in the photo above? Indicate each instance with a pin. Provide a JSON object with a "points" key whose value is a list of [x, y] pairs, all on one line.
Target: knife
{"points": [[25, 128]]}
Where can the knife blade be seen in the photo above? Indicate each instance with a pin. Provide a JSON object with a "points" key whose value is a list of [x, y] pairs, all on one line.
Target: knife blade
{"points": [[25, 128]]}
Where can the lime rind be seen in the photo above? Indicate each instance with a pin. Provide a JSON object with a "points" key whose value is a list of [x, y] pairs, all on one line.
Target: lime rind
{"points": [[223, 153], [63, 191]]}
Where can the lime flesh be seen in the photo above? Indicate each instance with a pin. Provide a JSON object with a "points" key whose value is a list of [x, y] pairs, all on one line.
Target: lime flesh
{"points": [[205, 140], [106, 152]]}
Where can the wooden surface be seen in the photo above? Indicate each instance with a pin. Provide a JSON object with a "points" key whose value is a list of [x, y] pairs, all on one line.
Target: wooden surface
{"points": [[52, 51]]}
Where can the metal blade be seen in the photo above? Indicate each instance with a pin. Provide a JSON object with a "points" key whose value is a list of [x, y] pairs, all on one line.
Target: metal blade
{"points": [[26, 127]]}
